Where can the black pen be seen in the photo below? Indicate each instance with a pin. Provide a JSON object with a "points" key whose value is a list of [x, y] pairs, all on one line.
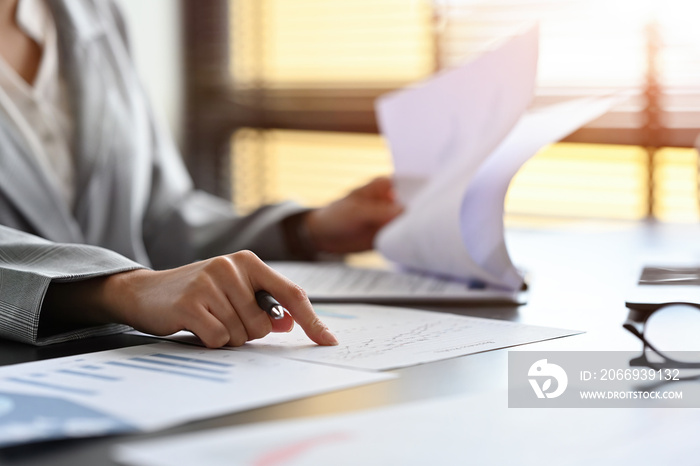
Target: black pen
{"points": [[269, 304]]}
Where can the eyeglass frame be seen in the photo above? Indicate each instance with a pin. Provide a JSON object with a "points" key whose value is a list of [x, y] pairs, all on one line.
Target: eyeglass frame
{"points": [[637, 317]]}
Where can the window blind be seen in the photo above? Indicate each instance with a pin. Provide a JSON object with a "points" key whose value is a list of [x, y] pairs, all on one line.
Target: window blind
{"points": [[316, 66], [330, 43], [319, 51]]}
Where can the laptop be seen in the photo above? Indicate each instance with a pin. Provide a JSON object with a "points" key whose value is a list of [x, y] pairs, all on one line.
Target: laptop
{"points": [[337, 282]]}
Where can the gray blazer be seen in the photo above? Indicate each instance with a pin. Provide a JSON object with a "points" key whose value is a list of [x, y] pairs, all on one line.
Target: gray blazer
{"points": [[135, 207]]}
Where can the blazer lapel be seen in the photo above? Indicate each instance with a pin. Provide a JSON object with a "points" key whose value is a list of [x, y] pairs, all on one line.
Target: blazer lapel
{"points": [[81, 66]]}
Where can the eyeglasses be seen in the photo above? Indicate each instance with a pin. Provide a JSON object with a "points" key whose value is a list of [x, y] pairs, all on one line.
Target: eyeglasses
{"points": [[670, 333]]}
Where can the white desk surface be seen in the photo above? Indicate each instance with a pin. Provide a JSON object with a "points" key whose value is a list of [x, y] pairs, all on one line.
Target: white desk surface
{"points": [[579, 277]]}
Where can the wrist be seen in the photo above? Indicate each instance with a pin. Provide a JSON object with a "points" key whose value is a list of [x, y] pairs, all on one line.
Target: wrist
{"points": [[298, 236], [115, 296], [93, 301]]}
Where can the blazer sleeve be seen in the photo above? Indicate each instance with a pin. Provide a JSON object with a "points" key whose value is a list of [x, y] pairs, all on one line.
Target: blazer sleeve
{"points": [[28, 264]]}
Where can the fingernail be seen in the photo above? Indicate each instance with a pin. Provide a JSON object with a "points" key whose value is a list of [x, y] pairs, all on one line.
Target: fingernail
{"points": [[329, 338], [291, 328]]}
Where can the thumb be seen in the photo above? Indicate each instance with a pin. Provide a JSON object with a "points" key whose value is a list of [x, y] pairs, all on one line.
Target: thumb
{"points": [[381, 213], [378, 188]]}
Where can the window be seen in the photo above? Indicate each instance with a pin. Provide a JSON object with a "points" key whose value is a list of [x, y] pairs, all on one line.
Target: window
{"points": [[300, 78]]}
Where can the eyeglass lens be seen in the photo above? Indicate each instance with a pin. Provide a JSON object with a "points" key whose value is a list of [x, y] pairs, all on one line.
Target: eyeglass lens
{"points": [[675, 331]]}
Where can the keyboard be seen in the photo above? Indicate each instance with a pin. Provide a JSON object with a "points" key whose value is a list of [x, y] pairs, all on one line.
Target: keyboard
{"points": [[342, 283]]}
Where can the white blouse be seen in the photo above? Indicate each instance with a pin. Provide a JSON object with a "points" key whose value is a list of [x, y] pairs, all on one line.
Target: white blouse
{"points": [[41, 110]]}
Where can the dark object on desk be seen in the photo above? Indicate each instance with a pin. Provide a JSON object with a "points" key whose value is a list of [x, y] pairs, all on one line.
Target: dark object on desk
{"points": [[665, 315], [661, 286], [670, 276], [671, 332]]}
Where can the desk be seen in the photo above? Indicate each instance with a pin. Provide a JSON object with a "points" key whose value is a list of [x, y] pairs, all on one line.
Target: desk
{"points": [[579, 276]]}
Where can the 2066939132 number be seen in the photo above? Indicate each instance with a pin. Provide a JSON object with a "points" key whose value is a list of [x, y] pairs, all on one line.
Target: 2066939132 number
{"points": [[639, 374]]}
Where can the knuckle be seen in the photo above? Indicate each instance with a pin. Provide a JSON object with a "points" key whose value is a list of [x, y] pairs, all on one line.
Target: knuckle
{"points": [[245, 257], [219, 263], [203, 285], [298, 293], [318, 324]]}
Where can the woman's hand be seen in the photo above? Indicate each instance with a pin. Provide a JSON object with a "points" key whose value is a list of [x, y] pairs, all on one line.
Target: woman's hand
{"points": [[351, 223], [214, 299]]}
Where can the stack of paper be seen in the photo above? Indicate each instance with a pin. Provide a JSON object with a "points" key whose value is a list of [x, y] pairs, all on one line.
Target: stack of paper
{"points": [[457, 140], [156, 386]]}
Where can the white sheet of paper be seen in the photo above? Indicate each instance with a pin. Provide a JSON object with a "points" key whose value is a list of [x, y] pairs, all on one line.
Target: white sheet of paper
{"points": [[439, 132], [457, 140], [150, 387], [384, 337], [454, 225], [460, 113], [482, 208], [449, 431]]}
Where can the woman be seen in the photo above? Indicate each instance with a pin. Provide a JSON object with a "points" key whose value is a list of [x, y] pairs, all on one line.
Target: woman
{"points": [[100, 226]]}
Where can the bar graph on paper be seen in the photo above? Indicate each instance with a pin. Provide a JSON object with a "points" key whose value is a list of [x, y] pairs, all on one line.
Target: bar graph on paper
{"points": [[86, 379], [149, 387]]}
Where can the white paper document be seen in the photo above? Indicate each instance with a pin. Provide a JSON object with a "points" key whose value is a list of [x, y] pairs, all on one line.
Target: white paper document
{"points": [[457, 140], [149, 387], [383, 337], [450, 431]]}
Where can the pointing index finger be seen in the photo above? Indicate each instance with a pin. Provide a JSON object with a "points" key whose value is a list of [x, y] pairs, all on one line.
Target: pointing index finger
{"points": [[293, 298], [295, 301]]}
